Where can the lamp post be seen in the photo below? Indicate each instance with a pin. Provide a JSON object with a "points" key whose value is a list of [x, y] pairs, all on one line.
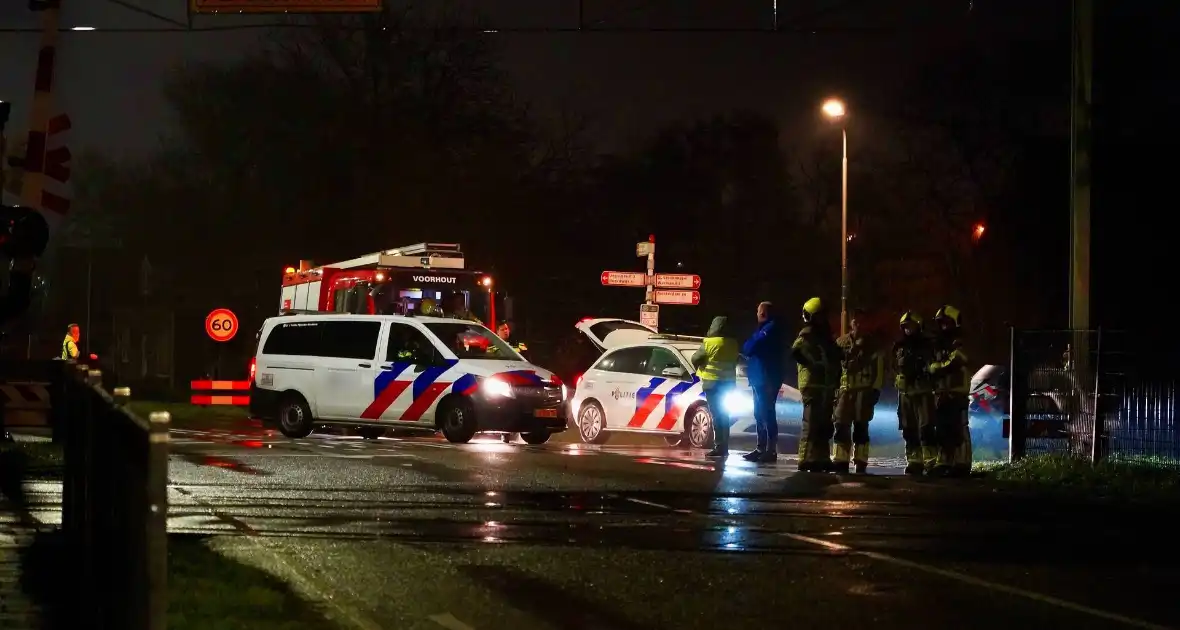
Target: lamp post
{"points": [[834, 110]]}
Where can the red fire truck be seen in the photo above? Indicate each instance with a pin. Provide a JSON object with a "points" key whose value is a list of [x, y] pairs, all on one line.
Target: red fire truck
{"points": [[393, 281]]}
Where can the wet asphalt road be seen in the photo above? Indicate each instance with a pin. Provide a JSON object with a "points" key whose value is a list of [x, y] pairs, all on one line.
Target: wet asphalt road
{"points": [[418, 533]]}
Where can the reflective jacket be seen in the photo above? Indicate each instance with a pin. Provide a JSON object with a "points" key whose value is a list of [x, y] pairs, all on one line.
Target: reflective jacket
{"points": [[911, 358], [69, 348], [716, 359], [817, 357], [949, 365], [863, 366]]}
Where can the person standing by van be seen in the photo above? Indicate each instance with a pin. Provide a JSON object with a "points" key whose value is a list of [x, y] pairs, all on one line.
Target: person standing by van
{"points": [[716, 365], [764, 352]]}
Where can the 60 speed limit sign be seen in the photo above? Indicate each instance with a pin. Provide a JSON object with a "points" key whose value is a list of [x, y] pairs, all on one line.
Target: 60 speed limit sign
{"points": [[221, 325]]}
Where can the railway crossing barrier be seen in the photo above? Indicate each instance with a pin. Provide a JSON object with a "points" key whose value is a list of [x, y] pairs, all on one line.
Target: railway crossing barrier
{"points": [[212, 393]]}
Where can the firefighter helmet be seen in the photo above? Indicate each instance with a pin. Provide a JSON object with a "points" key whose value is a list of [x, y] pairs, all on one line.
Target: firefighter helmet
{"points": [[948, 312], [910, 317], [811, 308]]}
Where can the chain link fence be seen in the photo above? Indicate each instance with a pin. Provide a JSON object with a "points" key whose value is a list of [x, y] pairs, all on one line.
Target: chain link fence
{"points": [[1092, 394]]}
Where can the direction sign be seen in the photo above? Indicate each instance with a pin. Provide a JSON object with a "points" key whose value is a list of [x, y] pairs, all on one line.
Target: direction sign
{"points": [[623, 279], [677, 281], [649, 315], [644, 249], [221, 324], [687, 298]]}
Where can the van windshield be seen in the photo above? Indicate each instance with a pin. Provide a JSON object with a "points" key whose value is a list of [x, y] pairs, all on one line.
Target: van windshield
{"points": [[472, 341]]}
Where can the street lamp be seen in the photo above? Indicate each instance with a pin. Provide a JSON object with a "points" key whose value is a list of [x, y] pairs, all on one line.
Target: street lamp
{"points": [[487, 282], [834, 109]]}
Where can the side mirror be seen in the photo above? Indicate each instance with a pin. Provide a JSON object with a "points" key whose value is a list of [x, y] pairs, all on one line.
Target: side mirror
{"points": [[674, 372]]}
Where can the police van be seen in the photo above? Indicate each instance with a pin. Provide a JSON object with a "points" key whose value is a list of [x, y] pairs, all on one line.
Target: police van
{"points": [[385, 371]]}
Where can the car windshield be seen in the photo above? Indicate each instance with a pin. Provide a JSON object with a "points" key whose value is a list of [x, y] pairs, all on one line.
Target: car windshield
{"points": [[472, 341]]}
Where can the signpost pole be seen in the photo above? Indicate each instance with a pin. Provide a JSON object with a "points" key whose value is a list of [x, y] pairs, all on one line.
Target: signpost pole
{"points": [[651, 270]]}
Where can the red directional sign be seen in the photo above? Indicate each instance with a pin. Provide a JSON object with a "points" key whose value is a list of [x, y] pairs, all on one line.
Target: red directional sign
{"points": [[687, 298], [221, 324], [623, 279], [677, 281]]}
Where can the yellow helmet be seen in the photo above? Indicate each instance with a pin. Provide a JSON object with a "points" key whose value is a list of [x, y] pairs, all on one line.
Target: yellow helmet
{"points": [[427, 306], [910, 317], [948, 312], [811, 307]]}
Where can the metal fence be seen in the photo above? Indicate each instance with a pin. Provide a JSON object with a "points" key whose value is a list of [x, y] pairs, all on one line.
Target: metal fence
{"points": [[114, 503], [1092, 394]]}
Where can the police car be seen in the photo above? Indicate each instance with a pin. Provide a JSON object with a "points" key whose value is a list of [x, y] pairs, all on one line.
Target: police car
{"points": [[385, 371], [643, 382]]}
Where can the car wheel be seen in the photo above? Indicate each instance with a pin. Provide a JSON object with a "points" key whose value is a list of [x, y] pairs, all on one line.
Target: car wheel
{"points": [[592, 423], [535, 437], [698, 428], [295, 416], [370, 433], [456, 420]]}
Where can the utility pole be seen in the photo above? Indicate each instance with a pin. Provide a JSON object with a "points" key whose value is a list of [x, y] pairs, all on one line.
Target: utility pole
{"points": [[1080, 145]]}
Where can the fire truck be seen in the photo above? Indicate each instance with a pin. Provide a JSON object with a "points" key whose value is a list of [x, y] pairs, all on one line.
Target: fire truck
{"points": [[392, 282]]}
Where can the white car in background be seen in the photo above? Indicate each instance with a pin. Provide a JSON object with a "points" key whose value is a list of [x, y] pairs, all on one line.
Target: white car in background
{"points": [[643, 382]]}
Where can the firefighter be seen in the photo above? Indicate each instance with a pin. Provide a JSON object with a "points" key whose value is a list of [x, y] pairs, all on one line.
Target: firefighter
{"points": [[459, 309], [69, 345], [716, 365], [915, 402], [818, 362], [861, 378], [427, 307], [952, 388]]}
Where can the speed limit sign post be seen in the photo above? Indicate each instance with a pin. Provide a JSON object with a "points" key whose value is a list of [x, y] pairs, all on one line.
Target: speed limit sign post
{"points": [[221, 325]]}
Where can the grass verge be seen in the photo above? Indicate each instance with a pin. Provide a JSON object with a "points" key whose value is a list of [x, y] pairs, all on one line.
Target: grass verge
{"points": [[209, 590], [1133, 480], [206, 589], [185, 415]]}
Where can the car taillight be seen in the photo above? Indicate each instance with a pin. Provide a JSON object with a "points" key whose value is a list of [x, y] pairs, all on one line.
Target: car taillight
{"points": [[253, 368], [577, 381], [556, 380]]}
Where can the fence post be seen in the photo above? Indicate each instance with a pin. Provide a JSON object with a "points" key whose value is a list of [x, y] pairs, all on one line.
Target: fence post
{"points": [[122, 396], [157, 521], [1017, 386]]}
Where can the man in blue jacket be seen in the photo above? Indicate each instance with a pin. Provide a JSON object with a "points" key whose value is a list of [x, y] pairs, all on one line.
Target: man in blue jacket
{"points": [[764, 353]]}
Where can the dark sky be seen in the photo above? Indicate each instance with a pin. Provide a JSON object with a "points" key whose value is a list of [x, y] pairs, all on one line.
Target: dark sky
{"points": [[628, 83]]}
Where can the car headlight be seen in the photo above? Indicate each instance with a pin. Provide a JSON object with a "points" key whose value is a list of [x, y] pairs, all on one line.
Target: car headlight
{"points": [[738, 403], [496, 388], [565, 393]]}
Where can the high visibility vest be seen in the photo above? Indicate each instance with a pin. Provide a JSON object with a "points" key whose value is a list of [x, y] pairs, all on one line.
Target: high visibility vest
{"points": [[69, 349], [721, 355]]}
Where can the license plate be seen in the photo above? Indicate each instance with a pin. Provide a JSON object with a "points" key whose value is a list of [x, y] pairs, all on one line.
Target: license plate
{"points": [[545, 413]]}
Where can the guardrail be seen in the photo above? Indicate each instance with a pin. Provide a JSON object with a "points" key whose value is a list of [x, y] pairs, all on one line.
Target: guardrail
{"points": [[207, 398], [114, 503]]}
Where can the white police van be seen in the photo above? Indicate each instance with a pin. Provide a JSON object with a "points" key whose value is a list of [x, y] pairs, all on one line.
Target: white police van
{"points": [[386, 371]]}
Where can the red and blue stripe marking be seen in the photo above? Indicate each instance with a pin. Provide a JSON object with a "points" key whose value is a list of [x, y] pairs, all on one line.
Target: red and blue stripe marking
{"points": [[426, 388]]}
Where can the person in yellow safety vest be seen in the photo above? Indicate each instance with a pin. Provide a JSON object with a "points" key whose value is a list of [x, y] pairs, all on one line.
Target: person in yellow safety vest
{"points": [[504, 332], [69, 345], [817, 358], [952, 388], [915, 401], [716, 365], [861, 380]]}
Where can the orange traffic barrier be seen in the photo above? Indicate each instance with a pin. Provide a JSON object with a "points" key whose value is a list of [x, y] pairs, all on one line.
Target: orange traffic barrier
{"points": [[219, 386]]}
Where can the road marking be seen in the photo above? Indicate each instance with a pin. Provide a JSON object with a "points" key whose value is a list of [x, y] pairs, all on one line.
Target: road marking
{"points": [[974, 581], [447, 620], [649, 503], [954, 575], [348, 613]]}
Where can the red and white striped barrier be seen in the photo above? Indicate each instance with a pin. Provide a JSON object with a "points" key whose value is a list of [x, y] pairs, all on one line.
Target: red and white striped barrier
{"points": [[219, 399]]}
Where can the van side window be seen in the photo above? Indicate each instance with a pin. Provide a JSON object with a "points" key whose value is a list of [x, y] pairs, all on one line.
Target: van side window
{"points": [[350, 340], [408, 345], [294, 338], [627, 360]]}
